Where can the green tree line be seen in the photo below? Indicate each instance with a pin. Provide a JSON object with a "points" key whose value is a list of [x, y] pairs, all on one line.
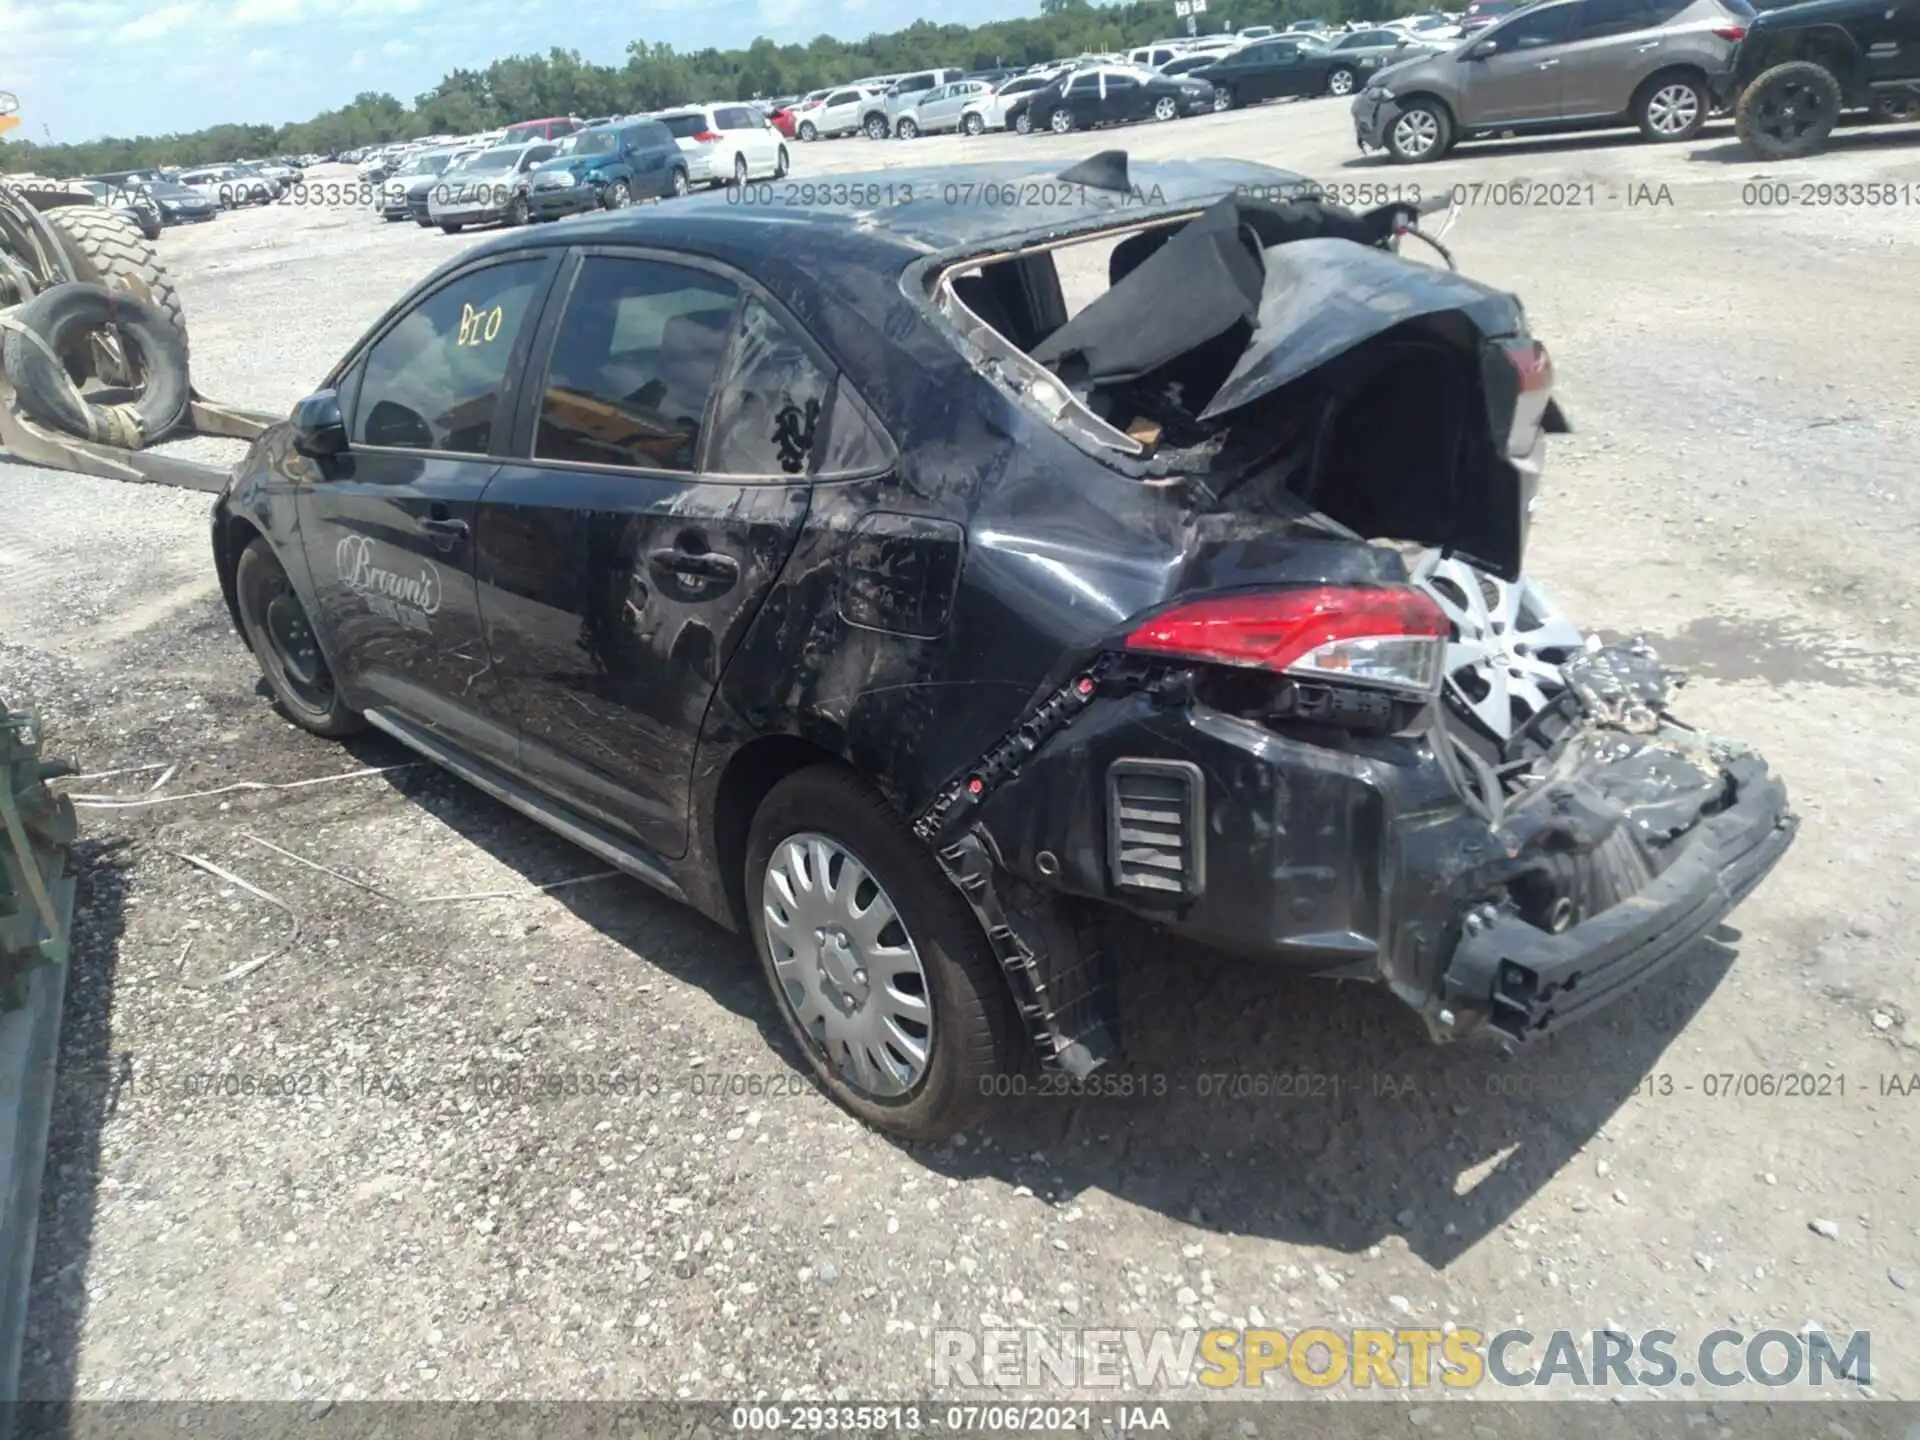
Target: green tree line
{"points": [[655, 76]]}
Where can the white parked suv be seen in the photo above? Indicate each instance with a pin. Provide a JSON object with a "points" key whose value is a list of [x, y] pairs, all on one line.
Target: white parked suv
{"points": [[726, 143], [839, 114], [989, 111]]}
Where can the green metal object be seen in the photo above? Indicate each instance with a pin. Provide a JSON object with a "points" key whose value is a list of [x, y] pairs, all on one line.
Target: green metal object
{"points": [[37, 830]]}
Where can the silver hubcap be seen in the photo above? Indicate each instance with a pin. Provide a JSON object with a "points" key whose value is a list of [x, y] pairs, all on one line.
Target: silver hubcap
{"points": [[1062, 121], [1672, 109], [1340, 83], [1023, 125], [1221, 100], [848, 971], [1509, 642], [1417, 132], [1164, 109]]}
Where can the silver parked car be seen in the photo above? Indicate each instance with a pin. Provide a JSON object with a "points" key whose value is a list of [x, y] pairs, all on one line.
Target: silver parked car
{"points": [[491, 186], [1558, 65], [931, 111]]}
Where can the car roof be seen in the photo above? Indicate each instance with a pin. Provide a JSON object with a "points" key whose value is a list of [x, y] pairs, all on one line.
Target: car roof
{"points": [[921, 212]]}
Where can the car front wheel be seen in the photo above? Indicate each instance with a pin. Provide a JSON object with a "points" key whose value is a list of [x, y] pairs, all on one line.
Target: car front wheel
{"points": [[880, 971], [1340, 82], [1673, 107], [1419, 133], [618, 196], [283, 641], [1788, 111], [906, 129], [1165, 108], [1222, 99], [876, 128], [973, 125]]}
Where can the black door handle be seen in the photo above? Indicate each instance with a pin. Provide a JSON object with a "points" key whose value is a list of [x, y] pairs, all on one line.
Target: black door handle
{"points": [[453, 529], [701, 565]]}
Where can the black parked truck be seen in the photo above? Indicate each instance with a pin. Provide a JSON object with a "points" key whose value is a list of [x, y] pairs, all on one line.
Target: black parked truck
{"points": [[1801, 67]]}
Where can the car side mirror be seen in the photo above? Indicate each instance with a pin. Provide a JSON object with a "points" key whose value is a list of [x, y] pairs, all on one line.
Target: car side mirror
{"points": [[319, 426], [1483, 50]]}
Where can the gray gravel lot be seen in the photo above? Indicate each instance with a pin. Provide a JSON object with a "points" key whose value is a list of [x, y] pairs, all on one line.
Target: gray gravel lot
{"points": [[374, 1220]]}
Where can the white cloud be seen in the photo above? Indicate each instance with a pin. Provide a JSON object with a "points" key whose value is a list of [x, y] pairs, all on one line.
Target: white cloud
{"points": [[157, 24], [261, 59], [268, 12], [396, 49]]}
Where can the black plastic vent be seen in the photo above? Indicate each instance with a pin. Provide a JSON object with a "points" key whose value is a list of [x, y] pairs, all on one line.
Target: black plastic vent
{"points": [[1155, 828]]}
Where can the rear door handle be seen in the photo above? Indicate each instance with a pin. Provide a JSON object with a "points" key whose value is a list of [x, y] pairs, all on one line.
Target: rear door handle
{"points": [[1548, 64], [702, 565], [1650, 45], [453, 529]]}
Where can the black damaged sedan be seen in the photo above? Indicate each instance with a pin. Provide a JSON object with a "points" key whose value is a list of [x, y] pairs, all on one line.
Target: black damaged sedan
{"points": [[836, 573]]}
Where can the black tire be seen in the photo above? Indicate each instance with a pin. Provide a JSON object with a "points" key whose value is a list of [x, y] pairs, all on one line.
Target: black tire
{"points": [[905, 128], [678, 184], [617, 196], [971, 1027], [1340, 80], [393, 215], [1222, 98], [781, 165], [452, 229], [282, 640], [808, 132], [1402, 130], [1895, 108], [1788, 111], [105, 249], [972, 124], [519, 212], [1673, 107], [1023, 124], [63, 318], [876, 127], [424, 224], [1060, 122], [1166, 108]]}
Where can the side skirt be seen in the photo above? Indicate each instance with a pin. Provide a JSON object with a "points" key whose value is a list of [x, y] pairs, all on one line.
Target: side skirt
{"points": [[621, 854]]}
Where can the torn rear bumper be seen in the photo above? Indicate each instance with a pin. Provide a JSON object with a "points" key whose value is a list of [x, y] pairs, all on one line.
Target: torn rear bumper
{"points": [[1359, 860], [1527, 983]]}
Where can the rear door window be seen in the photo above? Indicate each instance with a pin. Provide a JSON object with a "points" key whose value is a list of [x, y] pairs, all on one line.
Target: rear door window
{"points": [[634, 365], [773, 397], [1536, 28]]}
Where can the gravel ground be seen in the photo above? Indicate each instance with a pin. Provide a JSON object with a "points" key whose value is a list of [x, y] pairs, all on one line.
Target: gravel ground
{"points": [[374, 1220]]}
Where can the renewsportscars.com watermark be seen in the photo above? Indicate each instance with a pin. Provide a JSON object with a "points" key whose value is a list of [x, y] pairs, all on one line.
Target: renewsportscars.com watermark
{"points": [[1156, 1361]]}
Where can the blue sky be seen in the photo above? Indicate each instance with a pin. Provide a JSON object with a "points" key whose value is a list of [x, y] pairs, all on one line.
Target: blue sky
{"points": [[87, 68]]}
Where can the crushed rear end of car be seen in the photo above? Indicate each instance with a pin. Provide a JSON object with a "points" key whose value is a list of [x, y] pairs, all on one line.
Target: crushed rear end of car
{"points": [[1278, 745]]}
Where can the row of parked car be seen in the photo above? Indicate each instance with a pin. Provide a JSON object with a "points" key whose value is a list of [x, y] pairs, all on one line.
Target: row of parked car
{"points": [[154, 199], [510, 178]]}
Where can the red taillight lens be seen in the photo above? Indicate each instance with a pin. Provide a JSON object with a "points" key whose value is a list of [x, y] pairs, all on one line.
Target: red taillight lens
{"points": [[1731, 32], [706, 136], [1533, 367], [1378, 635]]}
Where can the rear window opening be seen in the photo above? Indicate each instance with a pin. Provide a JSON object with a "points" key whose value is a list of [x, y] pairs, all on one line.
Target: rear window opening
{"points": [[1315, 448]]}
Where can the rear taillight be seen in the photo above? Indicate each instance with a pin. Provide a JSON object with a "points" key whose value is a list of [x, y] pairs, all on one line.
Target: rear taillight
{"points": [[1735, 33], [1533, 368], [1386, 636], [706, 137]]}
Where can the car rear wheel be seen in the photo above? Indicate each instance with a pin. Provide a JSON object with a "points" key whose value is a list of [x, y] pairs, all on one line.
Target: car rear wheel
{"points": [[1419, 133], [739, 172], [453, 229], [1165, 108], [1060, 122], [1222, 99], [282, 640], [1023, 124], [780, 164], [881, 972], [678, 184], [618, 196], [973, 124], [1672, 107], [807, 131], [1788, 111], [1340, 81], [906, 129], [876, 127]]}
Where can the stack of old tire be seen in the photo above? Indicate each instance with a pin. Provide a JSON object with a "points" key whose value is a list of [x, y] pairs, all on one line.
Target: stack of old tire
{"points": [[104, 311]]}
